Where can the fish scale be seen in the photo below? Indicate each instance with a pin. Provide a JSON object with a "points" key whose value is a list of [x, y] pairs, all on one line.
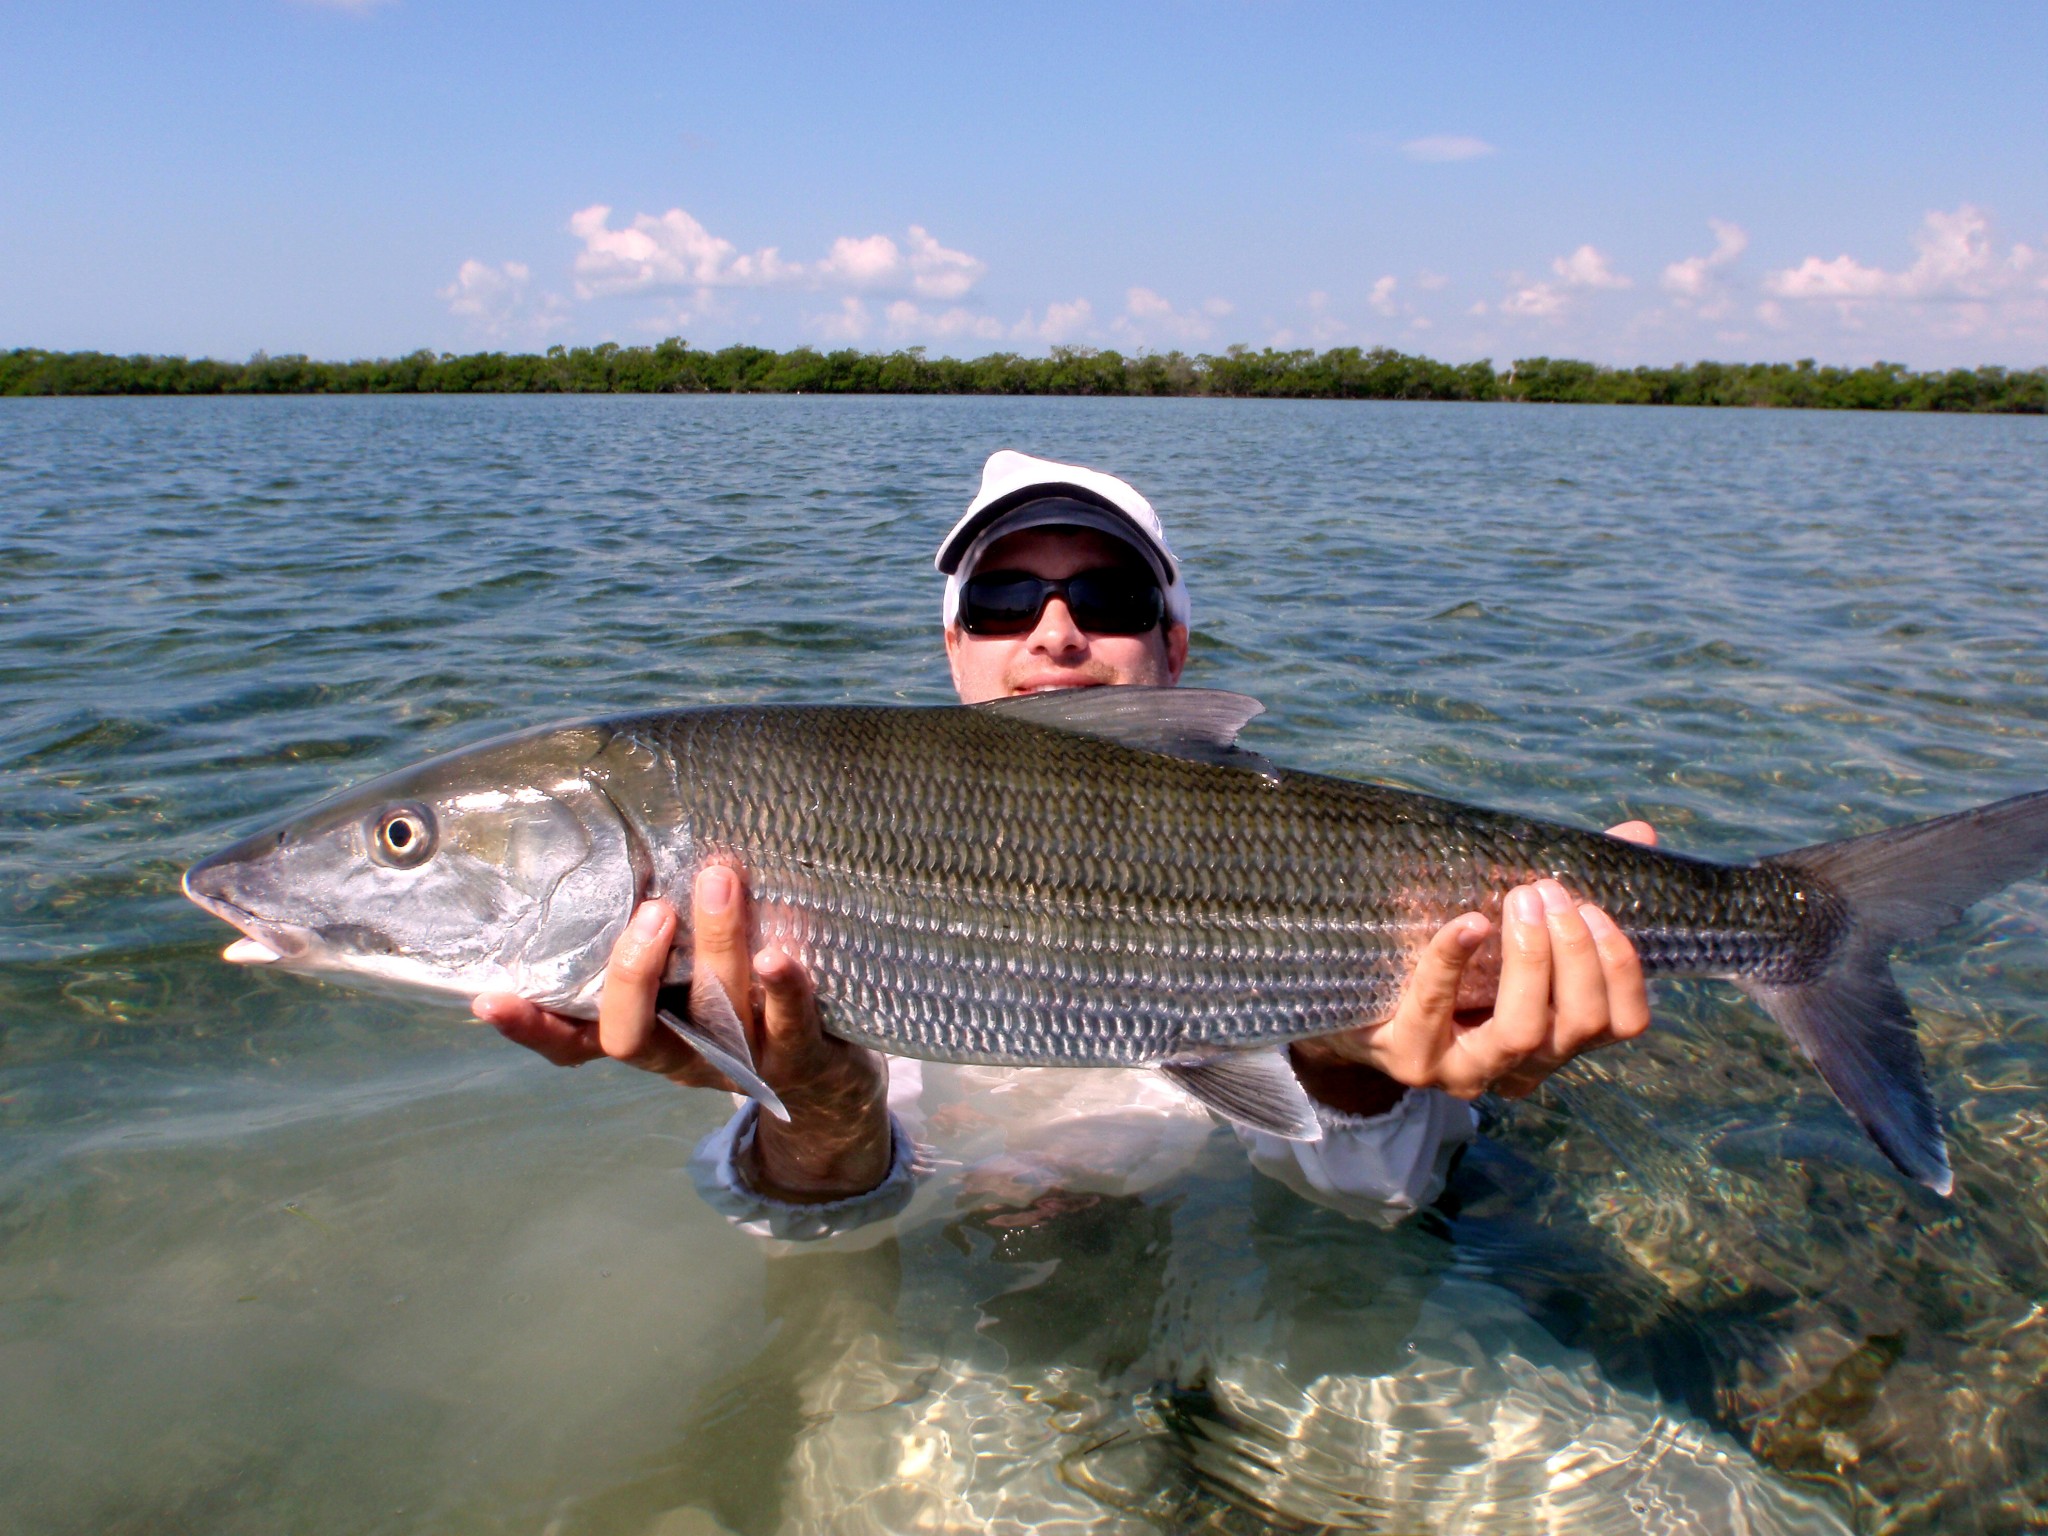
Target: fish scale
{"points": [[965, 886]]}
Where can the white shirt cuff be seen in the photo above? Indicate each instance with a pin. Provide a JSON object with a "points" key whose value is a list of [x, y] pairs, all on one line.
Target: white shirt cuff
{"points": [[715, 1168], [1378, 1168]]}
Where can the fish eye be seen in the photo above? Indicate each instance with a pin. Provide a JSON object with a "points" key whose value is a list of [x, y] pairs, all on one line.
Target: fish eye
{"points": [[402, 837]]}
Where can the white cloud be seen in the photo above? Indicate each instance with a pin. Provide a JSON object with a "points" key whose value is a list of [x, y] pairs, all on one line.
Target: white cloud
{"points": [[672, 250], [1430, 282], [1325, 329], [850, 322], [675, 250], [674, 317], [496, 304], [1694, 277], [926, 267], [1958, 260], [867, 263], [1439, 147], [906, 320], [1534, 301], [1966, 294], [1150, 318], [1382, 299], [1587, 268], [1062, 322]]}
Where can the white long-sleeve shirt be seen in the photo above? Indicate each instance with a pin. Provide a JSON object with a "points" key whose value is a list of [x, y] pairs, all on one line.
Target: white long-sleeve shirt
{"points": [[1037, 1129]]}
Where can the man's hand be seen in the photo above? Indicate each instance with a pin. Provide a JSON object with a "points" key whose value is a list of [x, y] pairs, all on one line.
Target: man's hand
{"points": [[837, 1142], [1570, 981]]}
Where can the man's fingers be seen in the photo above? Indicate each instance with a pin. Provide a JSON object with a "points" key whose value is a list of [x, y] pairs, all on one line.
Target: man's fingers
{"points": [[1411, 1043], [565, 1042], [625, 1009], [1578, 979], [1628, 996], [786, 1015], [1481, 1056]]}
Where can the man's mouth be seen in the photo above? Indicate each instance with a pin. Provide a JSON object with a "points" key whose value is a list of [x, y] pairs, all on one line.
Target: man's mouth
{"points": [[1055, 686]]}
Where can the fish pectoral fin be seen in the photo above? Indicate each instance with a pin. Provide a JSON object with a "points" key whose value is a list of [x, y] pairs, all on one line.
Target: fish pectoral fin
{"points": [[714, 1031], [1197, 723], [1256, 1088]]}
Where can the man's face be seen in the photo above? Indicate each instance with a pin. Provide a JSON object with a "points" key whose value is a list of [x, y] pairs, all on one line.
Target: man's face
{"points": [[1057, 653]]}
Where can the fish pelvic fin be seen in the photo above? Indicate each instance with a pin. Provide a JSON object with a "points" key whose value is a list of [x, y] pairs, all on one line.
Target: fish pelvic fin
{"points": [[714, 1031], [1852, 1021], [1255, 1088]]}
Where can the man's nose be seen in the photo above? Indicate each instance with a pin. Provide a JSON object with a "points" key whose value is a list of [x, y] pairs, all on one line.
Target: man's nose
{"points": [[1057, 634]]}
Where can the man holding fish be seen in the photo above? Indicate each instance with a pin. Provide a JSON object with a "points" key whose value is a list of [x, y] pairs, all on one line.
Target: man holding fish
{"points": [[1060, 577]]}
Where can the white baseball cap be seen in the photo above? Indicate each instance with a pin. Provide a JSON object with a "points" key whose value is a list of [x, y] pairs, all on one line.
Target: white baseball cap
{"points": [[1019, 491]]}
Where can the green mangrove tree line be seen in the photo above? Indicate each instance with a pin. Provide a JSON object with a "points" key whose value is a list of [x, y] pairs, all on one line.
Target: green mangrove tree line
{"points": [[1342, 373]]}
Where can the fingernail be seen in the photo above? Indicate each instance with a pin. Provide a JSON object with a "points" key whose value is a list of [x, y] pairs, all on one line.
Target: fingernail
{"points": [[647, 920], [1524, 905], [1472, 931], [1598, 923], [1555, 897], [716, 889]]}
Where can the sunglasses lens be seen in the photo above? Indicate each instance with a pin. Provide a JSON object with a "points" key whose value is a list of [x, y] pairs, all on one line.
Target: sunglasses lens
{"points": [[1002, 603], [1115, 602], [1111, 601]]}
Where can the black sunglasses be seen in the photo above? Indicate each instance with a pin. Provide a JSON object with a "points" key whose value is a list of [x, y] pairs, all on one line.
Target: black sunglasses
{"points": [[1112, 600]]}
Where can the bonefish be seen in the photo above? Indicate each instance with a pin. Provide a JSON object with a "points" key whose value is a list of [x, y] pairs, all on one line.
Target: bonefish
{"points": [[1098, 877]]}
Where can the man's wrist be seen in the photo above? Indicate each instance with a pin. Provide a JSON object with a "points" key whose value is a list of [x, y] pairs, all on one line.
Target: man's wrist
{"points": [[806, 1163], [1349, 1087]]}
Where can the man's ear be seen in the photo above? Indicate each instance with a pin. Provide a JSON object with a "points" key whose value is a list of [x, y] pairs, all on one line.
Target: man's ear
{"points": [[953, 636], [1176, 650]]}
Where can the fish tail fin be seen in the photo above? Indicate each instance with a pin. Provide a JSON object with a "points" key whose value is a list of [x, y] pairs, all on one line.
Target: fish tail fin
{"points": [[1852, 1021]]}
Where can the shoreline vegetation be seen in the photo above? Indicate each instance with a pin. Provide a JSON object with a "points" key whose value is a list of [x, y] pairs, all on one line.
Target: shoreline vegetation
{"points": [[1342, 373]]}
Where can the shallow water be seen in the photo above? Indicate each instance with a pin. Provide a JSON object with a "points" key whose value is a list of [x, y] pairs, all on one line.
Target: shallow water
{"points": [[279, 1256]]}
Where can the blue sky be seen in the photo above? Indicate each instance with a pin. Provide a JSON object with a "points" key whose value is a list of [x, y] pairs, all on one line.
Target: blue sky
{"points": [[1627, 183]]}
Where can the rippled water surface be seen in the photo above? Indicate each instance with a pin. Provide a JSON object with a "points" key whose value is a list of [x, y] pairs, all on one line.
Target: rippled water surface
{"points": [[276, 1256]]}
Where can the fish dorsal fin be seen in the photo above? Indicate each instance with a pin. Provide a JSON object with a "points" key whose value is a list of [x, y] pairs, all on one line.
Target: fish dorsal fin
{"points": [[1197, 723]]}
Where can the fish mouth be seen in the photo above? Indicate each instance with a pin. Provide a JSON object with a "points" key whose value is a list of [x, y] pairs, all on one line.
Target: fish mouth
{"points": [[262, 942]]}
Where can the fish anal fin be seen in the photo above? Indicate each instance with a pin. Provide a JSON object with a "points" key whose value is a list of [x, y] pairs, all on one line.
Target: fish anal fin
{"points": [[713, 1029], [1255, 1088], [1196, 723]]}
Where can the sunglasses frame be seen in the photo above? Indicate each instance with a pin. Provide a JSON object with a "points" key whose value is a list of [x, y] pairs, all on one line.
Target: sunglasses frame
{"points": [[1049, 588]]}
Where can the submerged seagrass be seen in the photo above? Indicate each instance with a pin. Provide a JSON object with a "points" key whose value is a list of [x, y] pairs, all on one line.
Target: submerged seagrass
{"points": [[1089, 878]]}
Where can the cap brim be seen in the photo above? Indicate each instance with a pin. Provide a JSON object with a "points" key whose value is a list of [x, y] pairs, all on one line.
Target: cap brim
{"points": [[1118, 523]]}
